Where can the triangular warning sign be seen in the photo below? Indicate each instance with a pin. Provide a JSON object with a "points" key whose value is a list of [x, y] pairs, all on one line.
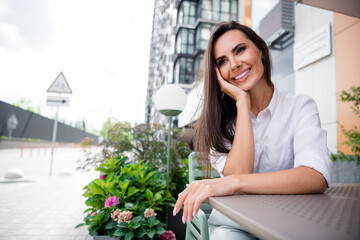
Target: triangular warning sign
{"points": [[60, 85]]}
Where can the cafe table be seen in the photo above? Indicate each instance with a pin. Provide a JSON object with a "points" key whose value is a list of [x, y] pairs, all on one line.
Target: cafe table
{"points": [[332, 215]]}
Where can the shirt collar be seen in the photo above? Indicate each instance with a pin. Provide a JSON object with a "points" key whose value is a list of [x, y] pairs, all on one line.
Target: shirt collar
{"points": [[272, 104]]}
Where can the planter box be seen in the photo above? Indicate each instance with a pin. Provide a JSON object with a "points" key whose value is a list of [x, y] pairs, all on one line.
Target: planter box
{"points": [[104, 237], [345, 172]]}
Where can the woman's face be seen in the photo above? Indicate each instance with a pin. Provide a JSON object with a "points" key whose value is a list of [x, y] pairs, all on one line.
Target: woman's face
{"points": [[238, 60]]}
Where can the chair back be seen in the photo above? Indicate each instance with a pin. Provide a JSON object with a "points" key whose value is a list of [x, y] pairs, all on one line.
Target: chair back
{"points": [[197, 229], [195, 170]]}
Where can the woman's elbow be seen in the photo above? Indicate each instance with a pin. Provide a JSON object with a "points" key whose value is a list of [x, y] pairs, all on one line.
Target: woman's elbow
{"points": [[318, 182]]}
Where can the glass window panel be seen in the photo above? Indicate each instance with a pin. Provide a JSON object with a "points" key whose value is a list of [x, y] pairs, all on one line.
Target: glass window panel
{"points": [[225, 5], [178, 43], [216, 5], [176, 72]]}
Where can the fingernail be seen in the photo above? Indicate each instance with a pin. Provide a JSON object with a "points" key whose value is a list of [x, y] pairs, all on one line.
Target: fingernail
{"points": [[183, 220], [194, 213], [189, 220], [174, 211]]}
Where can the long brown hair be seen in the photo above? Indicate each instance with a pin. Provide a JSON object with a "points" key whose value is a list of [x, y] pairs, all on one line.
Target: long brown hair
{"points": [[215, 124]]}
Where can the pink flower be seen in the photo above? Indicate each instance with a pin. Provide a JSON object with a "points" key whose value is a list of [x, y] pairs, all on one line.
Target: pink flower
{"points": [[102, 176], [94, 214], [168, 235], [125, 216], [111, 201], [115, 215], [120, 217], [149, 213]]}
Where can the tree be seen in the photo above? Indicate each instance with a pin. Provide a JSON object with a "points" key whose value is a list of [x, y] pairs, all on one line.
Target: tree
{"points": [[27, 105], [352, 136]]}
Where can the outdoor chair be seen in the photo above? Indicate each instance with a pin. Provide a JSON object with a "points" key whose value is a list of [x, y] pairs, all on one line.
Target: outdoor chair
{"points": [[198, 227]]}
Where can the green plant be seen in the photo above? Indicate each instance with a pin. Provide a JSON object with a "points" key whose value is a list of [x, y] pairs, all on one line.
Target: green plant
{"points": [[144, 141], [126, 189], [352, 136]]}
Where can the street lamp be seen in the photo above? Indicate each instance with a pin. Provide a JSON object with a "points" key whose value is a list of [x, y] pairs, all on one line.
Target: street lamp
{"points": [[170, 100]]}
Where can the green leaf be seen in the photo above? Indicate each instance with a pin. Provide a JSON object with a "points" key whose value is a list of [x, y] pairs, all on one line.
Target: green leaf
{"points": [[102, 169], [149, 175], [136, 225], [110, 185], [158, 196], [153, 221], [129, 205], [88, 210], [136, 219], [123, 225], [94, 188], [160, 230], [129, 236], [100, 182], [124, 186], [121, 232], [140, 233], [110, 225], [115, 192], [151, 232], [80, 225], [148, 194], [132, 191]]}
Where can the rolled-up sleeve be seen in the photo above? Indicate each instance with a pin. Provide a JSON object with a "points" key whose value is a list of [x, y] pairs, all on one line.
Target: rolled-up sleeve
{"points": [[310, 140]]}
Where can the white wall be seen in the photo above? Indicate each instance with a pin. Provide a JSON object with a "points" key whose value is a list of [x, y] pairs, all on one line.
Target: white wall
{"points": [[191, 111], [318, 80]]}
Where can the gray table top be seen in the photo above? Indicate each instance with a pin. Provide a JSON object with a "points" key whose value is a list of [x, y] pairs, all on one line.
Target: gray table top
{"points": [[332, 215]]}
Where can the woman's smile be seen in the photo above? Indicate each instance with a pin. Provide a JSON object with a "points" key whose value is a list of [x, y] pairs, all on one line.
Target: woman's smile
{"points": [[242, 76]]}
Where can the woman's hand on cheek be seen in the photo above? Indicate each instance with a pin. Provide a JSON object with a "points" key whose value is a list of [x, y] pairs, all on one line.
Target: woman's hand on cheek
{"points": [[198, 191], [231, 90]]}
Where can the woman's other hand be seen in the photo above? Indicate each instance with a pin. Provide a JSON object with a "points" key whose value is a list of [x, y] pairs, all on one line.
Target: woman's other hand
{"points": [[198, 191]]}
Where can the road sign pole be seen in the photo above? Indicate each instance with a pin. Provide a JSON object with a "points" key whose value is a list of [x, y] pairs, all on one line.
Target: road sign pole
{"points": [[54, 139]]}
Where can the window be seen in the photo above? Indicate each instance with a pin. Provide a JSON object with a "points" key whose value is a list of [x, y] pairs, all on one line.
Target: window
{"points": [[187, 13], [183, 73], [185, 41], [198, 65], [203, 33], [219, 10]]}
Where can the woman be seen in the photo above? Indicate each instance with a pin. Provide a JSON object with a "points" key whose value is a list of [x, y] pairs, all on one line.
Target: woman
{"points": [[261, 140]]}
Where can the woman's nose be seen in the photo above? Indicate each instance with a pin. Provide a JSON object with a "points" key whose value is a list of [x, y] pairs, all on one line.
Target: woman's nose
{"points": [[235, 64]]}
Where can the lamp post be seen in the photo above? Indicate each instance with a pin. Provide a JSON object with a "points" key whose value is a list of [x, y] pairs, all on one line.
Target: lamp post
{"points": [[170, 100]]}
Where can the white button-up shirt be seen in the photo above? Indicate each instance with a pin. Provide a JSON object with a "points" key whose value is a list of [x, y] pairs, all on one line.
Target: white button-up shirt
{"points": [[287, 134]]}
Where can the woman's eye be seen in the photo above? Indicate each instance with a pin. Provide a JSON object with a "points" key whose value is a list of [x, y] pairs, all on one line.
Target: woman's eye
{"points": [[240, 49], [221, 62]]}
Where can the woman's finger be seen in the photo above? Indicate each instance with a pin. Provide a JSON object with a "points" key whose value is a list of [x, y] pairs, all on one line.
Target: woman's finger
{"points": [[190, 200], [181, 198]]}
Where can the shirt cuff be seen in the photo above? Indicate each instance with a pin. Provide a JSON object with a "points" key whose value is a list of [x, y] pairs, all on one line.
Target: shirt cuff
{"points": [[321, 162]]}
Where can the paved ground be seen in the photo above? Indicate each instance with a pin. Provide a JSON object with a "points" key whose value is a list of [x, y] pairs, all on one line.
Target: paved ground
{"points": [[40, 206]]}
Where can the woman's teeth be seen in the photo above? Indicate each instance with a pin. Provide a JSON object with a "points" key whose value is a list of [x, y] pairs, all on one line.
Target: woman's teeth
{"points": [[241, 75]]}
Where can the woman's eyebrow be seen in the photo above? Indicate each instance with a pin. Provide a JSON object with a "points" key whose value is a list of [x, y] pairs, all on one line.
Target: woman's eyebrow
{"points": [[233, 50], [236, 47]]}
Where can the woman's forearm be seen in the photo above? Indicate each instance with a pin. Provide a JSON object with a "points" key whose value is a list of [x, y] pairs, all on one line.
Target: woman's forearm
{"points": [[240, 159], [300, 180]]}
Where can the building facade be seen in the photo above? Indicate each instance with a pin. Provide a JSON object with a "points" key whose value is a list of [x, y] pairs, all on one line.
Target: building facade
{"points": [[181, 29], [314, 51]]}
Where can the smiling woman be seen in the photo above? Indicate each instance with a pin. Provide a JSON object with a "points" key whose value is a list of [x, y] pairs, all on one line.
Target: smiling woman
{"points": [[260, 139]]}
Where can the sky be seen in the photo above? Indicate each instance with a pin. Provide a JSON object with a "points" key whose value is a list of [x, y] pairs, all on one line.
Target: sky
{"points": [[101, 46]]}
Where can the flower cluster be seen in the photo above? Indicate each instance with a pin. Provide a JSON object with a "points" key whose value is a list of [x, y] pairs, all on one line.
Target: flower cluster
{"points": [[168, 235], [121, 216], [149, 213], [111, 201], [102, 176]]}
